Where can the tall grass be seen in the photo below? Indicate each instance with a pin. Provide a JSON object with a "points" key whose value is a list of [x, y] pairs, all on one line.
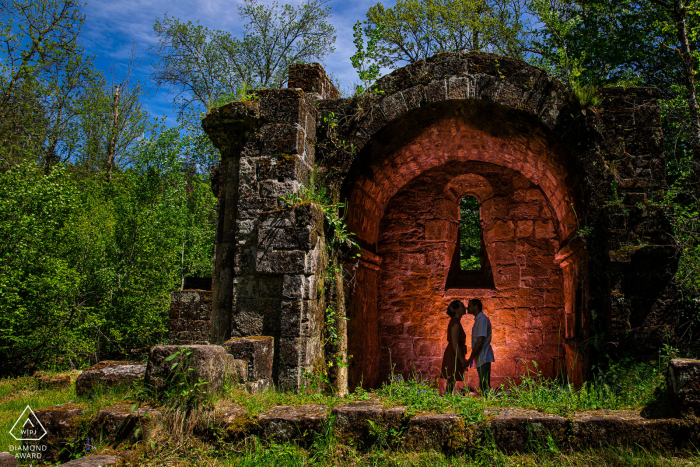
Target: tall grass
{"points": [[624, 385]]}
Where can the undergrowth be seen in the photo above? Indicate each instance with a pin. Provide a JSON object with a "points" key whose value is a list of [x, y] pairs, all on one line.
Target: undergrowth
{"points": [[328, 451]]}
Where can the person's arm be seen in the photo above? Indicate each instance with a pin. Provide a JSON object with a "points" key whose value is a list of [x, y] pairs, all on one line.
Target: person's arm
{"points": [[477, 348], [454, 331]]}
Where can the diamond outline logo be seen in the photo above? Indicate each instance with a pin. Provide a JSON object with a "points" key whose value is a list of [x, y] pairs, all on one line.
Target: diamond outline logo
{"points": [[32, 423]]}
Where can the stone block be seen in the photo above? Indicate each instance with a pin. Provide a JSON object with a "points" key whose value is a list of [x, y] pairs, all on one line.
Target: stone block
{"points": [[297, 286], [439, 230], [8, 460], [520, 430], [282, 105], [92, 461], [119, 423], [311, 77], [109, 374], [683, 386], [354, 421], [257, 352], [303, 238], [443, 432], [210, 363], [276, 189], [231, 421], [61, 423], [627, 428], [293, 423], [280, 262]]}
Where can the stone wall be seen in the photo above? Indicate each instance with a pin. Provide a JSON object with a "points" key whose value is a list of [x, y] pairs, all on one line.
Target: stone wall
{"points": [[190, 317], [269, 252]]}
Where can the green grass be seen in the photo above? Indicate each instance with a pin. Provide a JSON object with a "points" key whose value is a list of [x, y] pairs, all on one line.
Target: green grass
{"points": [[326, 451], [626, 385], [17, 393]]}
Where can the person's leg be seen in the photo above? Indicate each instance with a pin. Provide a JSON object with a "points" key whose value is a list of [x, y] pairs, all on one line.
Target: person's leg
{"points": [[484, 378]]}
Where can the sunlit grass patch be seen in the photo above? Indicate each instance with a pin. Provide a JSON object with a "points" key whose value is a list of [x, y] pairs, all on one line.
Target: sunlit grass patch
{"points": [[259, 403], [18, 393], [624, 386]]}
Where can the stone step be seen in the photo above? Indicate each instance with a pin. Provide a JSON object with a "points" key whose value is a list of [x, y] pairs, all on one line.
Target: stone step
{"points": [[92, 461], [367, 423]]}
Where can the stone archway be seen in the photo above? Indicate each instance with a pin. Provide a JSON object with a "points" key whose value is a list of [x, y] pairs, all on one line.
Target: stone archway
{"points": [[404, 209]]}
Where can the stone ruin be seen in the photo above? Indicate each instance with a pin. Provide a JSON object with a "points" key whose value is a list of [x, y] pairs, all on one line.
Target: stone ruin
{"points": [[577, 259]]}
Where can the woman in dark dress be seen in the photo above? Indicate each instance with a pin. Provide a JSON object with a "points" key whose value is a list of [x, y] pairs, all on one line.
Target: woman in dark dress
{"points": [[454, 361]]}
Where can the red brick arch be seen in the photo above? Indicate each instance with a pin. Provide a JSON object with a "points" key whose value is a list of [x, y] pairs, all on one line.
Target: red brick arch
{"points": [[458, 140], [396, 309]]}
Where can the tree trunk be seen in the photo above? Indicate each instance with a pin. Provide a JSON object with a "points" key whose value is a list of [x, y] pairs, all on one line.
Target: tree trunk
{"points": [[679, 15], [112, 149]]}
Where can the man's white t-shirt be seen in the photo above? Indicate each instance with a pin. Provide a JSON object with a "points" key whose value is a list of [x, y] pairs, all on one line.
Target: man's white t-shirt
{"points": [[482, 328]]}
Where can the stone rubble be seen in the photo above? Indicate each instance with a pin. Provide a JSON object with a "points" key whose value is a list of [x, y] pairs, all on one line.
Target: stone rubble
{"points": [[109, 374]]}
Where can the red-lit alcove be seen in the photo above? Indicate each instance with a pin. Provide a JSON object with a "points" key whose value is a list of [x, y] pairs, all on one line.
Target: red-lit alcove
{"points": [[417, 242], [404, 210]]}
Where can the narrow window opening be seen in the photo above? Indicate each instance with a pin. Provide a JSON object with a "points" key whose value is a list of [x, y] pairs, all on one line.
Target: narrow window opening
{"points": [[470, 245]]}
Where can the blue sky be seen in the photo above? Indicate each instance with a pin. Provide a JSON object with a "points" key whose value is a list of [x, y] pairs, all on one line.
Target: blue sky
{"points": [[113, 27]]}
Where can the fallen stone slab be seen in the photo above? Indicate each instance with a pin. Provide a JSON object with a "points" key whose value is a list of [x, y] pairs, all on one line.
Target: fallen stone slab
{"points": [[626, 428], [208, 363], [257, 352], [293, 423], [109, 374], [522, 430], [120, 423], [683, 386], [92, 461], [445, 432], [8, 460], [45, 381], [61, 423]]}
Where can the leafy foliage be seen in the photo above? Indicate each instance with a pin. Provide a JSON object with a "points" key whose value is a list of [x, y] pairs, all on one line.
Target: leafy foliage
{"points": [[415, 29], [365, 60], [206, 65], [469, 234], [87, 266]]}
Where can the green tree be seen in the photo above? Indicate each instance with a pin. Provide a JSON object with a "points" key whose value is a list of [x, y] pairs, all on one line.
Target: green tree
{"points": [[417, 29], [469, 234], [87, 267], [207, 66], [44, 73], [365, 60], [42, 310], [163, 230], [111, 120], [625, 42]]}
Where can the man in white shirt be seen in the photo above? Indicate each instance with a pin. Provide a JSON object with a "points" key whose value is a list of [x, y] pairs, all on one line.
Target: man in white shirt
{"points": [[482, 353]]}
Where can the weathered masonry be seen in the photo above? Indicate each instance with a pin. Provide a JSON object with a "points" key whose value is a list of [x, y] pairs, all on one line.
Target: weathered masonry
{"points": [[576, 257]]}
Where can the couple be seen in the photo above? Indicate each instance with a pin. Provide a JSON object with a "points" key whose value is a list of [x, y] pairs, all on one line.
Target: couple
{"points": [[454, 362]]}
